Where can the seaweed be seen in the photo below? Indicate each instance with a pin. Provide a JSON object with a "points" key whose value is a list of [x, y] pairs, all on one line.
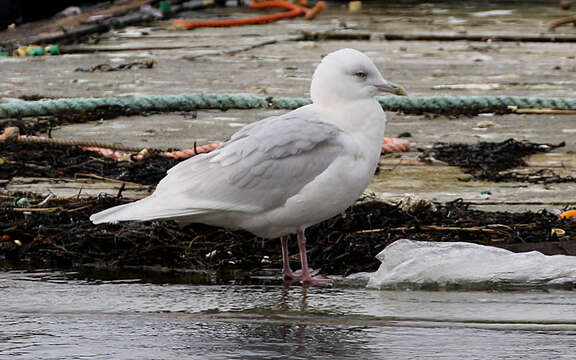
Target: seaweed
{"points": [[489, 161], [139, 64], [56, 232], [62, 235], [47, 160]]}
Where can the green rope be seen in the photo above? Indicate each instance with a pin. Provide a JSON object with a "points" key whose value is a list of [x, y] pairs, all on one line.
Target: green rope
{"points": [[447, 105]]}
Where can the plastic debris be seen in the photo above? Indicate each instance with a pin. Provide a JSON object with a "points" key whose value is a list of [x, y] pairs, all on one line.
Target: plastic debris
{"points": [[482, 87], [165, 7], [484, 124], [23, 203], [36, 50], [492, 13], [52, 50], [421, 264], [355, 5], [568, 214], [412, 204], [23, 50], [71, 10]]}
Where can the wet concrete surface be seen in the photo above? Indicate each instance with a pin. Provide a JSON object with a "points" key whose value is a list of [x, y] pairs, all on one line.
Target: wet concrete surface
{"points": [[209, 60]]}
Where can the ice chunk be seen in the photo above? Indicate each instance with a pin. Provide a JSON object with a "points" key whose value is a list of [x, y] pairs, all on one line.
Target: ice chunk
{"points": [[422, 264]]}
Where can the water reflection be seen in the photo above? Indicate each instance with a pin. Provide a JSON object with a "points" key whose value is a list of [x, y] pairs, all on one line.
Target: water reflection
{"points": [[287, 290], [54, 315]]}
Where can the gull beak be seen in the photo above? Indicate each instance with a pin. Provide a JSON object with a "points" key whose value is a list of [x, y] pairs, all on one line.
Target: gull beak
{"points": [[390, 87]]}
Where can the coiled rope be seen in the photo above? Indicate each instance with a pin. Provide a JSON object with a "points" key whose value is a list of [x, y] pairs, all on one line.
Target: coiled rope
{"points": [[446, 105]]}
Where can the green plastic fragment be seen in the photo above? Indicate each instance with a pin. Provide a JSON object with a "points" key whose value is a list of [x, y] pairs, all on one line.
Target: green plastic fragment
{"points": [[36, 52], [165, 6], [53, 49]]}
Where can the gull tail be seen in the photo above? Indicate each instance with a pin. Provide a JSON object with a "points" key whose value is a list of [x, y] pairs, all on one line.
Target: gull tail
{"points": [[141, 210]]}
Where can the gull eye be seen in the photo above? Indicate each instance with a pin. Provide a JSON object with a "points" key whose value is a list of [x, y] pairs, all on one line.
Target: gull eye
{"points": [[361, 75]]}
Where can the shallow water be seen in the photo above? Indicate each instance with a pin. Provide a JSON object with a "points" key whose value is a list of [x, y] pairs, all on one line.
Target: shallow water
{"points": [[71, 315]]}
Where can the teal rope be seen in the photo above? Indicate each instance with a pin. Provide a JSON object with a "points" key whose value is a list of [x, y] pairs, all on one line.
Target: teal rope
{"points": [[472, 105], [448, 105]]}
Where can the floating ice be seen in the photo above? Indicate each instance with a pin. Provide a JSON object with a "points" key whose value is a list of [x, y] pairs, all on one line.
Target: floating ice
{"points": [[421, 264]]}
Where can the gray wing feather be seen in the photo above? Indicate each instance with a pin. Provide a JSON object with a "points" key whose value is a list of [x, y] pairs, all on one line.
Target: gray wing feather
{"points": [[259, 168]]}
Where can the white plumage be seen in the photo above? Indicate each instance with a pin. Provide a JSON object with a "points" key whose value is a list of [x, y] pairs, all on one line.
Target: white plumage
{"points": [[282, 174]]}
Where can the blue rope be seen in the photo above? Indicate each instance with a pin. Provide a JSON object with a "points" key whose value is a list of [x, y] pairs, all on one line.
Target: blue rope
{"points": [[448, 105]]}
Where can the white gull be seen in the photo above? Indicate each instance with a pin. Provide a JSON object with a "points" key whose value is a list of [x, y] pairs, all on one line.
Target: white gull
{"points": [[277, 176]]}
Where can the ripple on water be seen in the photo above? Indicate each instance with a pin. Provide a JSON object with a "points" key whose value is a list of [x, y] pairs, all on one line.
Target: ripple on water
{"points": [[52, 315]]}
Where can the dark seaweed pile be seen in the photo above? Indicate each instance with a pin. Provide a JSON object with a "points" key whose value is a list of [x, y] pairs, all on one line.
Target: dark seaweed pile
{"points": [[46, 123], [65, 237], [490, 161], [140, 64], [58, 233], [42, 160]]}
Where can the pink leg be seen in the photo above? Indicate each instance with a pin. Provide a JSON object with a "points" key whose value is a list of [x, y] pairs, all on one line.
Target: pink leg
{"points": [[286, 270], [392, 145], [307, 275]]}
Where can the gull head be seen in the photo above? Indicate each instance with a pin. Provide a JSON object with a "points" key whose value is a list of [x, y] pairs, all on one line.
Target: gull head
{"points": [[348, 75]]}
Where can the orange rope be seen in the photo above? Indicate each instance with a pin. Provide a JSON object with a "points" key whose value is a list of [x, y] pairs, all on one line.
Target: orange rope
{"points": [[311, 14], [13, 133], [294, 11], [392, 145], [176, 154], [389, 145], [186, 153]]}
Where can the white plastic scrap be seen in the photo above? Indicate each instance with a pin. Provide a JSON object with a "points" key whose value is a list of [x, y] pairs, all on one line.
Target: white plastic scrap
{"points": [[408, 263]]}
